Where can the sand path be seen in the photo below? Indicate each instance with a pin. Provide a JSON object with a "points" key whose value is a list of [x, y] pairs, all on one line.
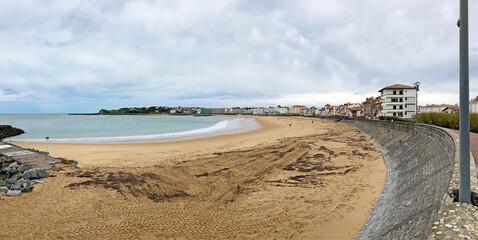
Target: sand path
{"points": [[309, 180]]}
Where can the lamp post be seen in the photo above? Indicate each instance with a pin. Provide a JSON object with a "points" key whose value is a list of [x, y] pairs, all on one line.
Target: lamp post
{"points": [[417, 88], [464, 193]]}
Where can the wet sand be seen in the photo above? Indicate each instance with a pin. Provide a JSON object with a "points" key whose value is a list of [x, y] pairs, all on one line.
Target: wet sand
{"points": [[309, 180]]}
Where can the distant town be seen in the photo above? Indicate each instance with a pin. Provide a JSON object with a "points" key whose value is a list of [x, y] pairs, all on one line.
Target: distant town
{"points": [[397, 100]]}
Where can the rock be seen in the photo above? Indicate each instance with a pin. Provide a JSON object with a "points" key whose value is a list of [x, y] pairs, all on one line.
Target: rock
{"points": [[25, 167], [3, 189], [14, 193], [11, 181], [15, 176], [35, 173], [13, 164], [42, 173], [27, 189], [3, 184], [30, 174], [16, 186]]}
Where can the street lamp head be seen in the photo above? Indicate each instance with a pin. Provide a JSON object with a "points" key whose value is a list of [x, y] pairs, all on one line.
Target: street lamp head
{"points": [[416, 84]]}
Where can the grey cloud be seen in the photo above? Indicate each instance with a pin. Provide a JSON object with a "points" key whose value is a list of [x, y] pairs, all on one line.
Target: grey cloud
{"points": [[225, 52]]}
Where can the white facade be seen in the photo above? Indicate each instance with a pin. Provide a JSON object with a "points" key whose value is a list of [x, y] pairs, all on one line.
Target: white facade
{"points": [[434, 108], [474, 106], [399, 101]]}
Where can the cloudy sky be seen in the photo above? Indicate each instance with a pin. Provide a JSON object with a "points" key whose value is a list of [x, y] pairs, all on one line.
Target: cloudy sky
{"points": [[81, 56]]}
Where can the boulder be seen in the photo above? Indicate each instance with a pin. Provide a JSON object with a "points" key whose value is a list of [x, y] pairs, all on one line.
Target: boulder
{"points": [[15, 176], [30, 174], [3, 189], [25, 167], [42, 173], [27, 189], [35, 173], [16, 186], [11, 181], [3, 184], [14, 193]]}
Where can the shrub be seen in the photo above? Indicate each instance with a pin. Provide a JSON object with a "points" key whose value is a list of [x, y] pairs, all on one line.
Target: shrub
{"points": [[448, 120]]}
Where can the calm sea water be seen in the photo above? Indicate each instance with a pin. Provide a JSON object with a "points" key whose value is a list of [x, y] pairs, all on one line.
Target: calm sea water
{"points": [[121, 128]]}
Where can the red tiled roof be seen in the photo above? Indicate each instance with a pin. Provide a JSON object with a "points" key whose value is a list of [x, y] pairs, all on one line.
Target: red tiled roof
{"points": [[436, 105], [355, 109], [299, 106], [454, 108], [398, 86]]}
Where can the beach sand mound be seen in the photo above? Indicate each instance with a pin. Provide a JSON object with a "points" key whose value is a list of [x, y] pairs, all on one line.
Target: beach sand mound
{"points": [[320, 185]]}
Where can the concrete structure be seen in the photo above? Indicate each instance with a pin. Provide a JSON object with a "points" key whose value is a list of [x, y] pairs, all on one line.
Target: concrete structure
{"points": [[399, 101]]}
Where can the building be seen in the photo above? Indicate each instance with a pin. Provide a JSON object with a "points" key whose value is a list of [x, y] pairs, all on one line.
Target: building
{"points": [[399, 101], [371, 107], [378, 106], [298, 109], [434, 108], [206, 111], [474, 105], [451, 109]]}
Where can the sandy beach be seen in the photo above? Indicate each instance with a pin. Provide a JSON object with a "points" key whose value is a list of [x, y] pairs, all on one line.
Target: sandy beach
{"points": [[295, 178]]}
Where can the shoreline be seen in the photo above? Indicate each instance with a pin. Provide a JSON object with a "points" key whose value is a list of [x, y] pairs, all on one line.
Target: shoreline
{"points": [[93, 154], [233, 125], [295, 177]]}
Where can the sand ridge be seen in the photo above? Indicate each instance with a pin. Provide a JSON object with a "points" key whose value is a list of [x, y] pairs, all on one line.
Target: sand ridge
{"points": [[309, 180]]}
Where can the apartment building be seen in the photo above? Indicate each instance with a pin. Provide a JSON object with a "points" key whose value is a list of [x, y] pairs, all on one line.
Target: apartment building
{"points": [[298, 109], [399, 101]]}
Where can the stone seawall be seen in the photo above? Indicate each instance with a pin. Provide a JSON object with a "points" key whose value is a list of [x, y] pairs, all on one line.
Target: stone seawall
{"points": [[420, 162], [422, 171], [9, 131]]}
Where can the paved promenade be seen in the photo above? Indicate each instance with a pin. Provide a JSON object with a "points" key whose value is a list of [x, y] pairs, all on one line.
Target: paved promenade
{"points": [[473, 146]]}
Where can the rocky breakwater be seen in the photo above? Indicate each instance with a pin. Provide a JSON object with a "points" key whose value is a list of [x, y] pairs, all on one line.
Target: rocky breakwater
{"points": [[17, 178], [9, 131]]}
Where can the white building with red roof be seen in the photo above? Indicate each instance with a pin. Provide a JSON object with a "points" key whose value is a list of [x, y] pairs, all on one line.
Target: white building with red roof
{"points": [[438, 108], [399, 100], [298, 110]]}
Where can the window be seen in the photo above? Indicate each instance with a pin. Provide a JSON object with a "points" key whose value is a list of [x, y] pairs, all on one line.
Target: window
{"points": [[405, 99], [394, 92], [394, 114], [401, 99], [401, 92], [394, 107], [401, 107]]}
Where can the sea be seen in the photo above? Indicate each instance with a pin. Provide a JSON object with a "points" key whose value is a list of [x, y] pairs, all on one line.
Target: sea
{"points": [[107, 129]]}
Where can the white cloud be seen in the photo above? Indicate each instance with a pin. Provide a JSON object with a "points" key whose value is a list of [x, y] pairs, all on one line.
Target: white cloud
{"points": [[111, 53]]}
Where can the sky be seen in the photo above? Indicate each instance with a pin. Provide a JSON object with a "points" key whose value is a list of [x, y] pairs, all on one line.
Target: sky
{"points": [[82, 56]]}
